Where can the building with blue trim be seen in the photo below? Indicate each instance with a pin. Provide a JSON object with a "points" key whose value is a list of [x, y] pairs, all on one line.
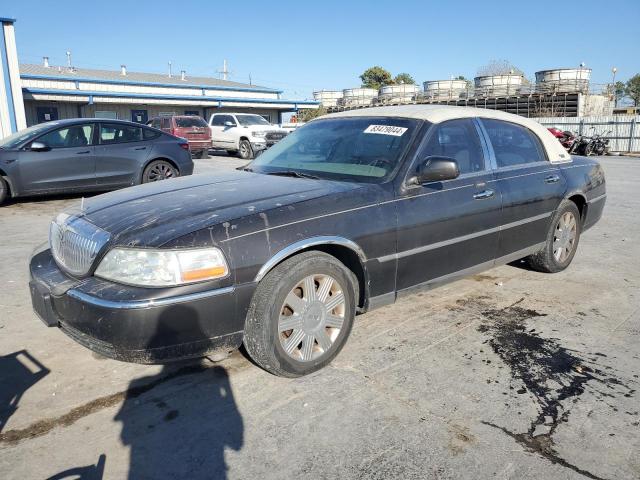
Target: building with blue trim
{"points": [[31, 94]]}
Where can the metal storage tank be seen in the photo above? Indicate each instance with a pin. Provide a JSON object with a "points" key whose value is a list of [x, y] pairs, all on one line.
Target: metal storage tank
{"points": [[357, 96], [444, 89], [327, 98], [397, 93], [497, 85], [565, 80]]}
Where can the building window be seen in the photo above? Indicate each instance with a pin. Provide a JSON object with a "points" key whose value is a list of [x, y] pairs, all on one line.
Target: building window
{"points": [[192, 112], [106, 114]]}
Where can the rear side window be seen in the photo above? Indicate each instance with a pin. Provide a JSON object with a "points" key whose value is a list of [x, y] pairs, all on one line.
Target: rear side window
{"points": [[149, 134], [513, 144], [114, 133], [187, 122], [457, 139]]}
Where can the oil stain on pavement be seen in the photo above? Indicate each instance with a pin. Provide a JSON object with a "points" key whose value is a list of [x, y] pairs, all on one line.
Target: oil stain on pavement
{"points": [[553, 375]]}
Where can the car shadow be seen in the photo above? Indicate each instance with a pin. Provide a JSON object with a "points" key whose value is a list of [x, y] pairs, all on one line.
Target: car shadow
{"points": [[182, 426], [521, 264], [19, 371], [88, 472]]}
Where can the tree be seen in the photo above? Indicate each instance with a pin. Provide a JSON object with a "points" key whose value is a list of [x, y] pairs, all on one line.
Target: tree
{"points": [[404, 78], [499, 67], [632, 89], [376, 77], [309, 114]]}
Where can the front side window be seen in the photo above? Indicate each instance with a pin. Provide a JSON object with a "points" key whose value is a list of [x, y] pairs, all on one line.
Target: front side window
{"points": [[69, 137], [457, 139], [513, 144], [367, 149], [114, 133]]}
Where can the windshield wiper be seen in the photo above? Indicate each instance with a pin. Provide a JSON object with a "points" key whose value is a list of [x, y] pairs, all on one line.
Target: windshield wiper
{"points": [[293, 173]]}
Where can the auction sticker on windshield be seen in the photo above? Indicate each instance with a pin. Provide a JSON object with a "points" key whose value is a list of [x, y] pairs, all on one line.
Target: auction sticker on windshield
{"points": [[386, 130]]}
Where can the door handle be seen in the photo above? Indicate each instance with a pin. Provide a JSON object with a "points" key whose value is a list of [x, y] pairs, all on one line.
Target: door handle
{"points": [[484, 194], [140, 148], [83, 153], [552, 179]]}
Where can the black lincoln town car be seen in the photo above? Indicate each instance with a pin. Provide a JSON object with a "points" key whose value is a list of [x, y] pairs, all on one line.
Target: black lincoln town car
{"points": [[347, 213]]}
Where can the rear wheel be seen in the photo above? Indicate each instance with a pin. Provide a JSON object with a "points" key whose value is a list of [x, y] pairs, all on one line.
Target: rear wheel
{"points": [[159, 170], [562, 240], [4, 190], [203, 154], [301, 315], [245, 150]]}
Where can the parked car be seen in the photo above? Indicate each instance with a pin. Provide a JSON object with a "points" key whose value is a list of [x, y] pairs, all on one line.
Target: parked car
{"points": [[190, 127], [244, 134], [348, 213], [85, 154]]}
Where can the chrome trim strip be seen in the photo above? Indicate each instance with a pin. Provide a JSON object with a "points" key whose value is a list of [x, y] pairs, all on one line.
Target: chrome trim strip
{"points": [[306, 243], [598, 198], [444, 243], [136, 304]]}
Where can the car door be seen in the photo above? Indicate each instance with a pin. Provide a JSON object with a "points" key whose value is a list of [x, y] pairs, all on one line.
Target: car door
{"points": [[224, 136], [532, 187], [67, 163], [120, 154], [448, 228]]}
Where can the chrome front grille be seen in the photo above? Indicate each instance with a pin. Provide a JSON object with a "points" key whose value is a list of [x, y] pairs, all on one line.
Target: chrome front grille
{"points": [[75, 243]]}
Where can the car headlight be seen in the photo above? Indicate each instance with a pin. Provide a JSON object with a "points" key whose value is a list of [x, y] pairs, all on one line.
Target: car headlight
{"points": [[162, 268], [259, 134]]}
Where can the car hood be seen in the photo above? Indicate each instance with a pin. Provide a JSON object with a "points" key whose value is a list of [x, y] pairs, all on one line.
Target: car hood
{"points": [[155, 213]]}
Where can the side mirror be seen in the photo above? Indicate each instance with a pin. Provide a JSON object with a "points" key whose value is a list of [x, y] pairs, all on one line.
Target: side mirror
{"points": [[39, 147], [229, 124], [435, 169]]}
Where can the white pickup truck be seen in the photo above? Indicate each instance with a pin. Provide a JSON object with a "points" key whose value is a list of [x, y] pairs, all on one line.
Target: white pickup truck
{"points": [[245, 134]]}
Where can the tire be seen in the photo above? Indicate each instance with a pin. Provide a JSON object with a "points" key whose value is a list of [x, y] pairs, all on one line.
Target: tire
{"points": [[245, 151], [159, 170], [550, 259], [203, 154], [4, 190], [264, 337]]}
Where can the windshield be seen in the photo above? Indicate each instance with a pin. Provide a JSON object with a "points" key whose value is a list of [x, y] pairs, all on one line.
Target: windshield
{"points": [[12, 141], [184, 122], [248, 120], [364, 149]]}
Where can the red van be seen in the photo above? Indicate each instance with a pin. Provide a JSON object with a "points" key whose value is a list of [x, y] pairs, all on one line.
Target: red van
{"points": [[190, 127]]}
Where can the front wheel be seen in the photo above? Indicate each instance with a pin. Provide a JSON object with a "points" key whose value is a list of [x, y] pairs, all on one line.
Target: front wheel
{"points": [[158, 170], [245, 150], [562, 240], [4, 190], [301, 315]]}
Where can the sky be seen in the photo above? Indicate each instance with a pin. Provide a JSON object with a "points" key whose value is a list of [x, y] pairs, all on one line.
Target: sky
{"points": [[302, 46]]}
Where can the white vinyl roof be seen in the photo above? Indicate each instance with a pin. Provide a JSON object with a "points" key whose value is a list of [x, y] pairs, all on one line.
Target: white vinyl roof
{"points": [[441, 113]]}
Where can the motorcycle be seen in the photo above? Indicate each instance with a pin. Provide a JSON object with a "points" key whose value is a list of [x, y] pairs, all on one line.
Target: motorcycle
{"points": [[598, 145], [565, 137]]}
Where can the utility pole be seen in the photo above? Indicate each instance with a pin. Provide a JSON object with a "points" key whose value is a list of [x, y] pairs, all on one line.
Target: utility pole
{"points": [[68, 59], [224, 70], [169, 69], [613, 85]]}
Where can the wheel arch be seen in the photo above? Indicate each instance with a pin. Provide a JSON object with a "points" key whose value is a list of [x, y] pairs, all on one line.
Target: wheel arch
{"points": [[346, 251], [581, 202]]}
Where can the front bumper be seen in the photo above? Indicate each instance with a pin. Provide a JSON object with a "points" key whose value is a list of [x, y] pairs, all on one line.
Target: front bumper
{"points": [[140, 325]]}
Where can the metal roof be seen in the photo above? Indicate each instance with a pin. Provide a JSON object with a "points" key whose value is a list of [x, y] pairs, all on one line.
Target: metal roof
{"points": [[134, 78], [442, 113]]}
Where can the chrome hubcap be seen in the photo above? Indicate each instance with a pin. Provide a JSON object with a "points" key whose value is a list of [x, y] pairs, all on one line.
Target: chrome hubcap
{"points": [[244, 150], [311, 317], [161, 171], [564, 237]]}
